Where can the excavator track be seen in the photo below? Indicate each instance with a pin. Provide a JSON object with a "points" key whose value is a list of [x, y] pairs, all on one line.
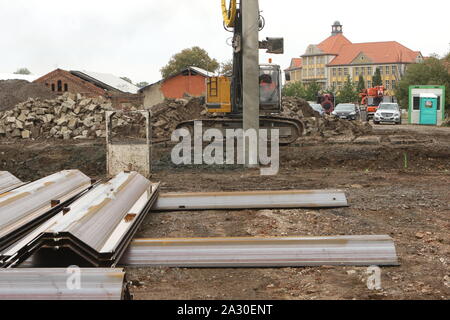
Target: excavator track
{"points": [[290, 129]]}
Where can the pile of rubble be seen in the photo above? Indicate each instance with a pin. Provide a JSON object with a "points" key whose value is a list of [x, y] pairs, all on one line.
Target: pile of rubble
{"points": [[297, 108], [324, 126], [167, 115], [13, 92], [68, 116], [73, 116]]}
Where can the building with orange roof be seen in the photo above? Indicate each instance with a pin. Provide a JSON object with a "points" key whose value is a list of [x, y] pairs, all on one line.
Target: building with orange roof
{"points": [[294, 72], [330, 62]]}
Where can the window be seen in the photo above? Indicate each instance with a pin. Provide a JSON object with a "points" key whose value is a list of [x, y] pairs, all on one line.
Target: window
{"points": [[388, 70], [416, 103], [388, 84], [66, 87], [381, 70], [334, 72], [59, 85], [53, 87], [357, 71], [340, 72], [363, 71], [394, 69], [369, 71], [369, 84], [345, 71], [394, 84]]}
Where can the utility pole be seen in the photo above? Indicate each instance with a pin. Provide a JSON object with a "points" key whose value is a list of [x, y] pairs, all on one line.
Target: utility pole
{"points": [[250, 46]]}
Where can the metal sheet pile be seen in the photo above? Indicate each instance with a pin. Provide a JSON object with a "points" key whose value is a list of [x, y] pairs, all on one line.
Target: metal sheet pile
{"points": [[24, 208], [59, 284], [8, 182], [252, 200], [97, 227], [262, 252]]}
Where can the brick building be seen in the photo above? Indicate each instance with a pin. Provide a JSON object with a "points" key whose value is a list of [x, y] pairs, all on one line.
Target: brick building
{"points": [[190, 81], [90, 84], [330, 62]]}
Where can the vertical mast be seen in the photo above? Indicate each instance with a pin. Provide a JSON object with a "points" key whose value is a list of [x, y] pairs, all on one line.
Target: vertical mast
{"points": [[250, 67]]}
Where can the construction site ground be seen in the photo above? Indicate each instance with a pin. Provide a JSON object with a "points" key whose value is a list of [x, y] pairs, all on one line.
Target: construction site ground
{"points": [[397, 181]]}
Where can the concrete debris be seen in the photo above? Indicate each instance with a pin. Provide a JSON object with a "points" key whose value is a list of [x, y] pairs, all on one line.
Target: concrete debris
{"points": [[75, 117], [38, 118]]}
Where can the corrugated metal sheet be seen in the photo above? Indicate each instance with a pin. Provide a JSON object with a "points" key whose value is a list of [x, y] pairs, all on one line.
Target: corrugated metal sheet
{"points": [[57, 284], [109, 80], [8, 182], [251, 200], [262, 252], [24, 208], [98, 226]]}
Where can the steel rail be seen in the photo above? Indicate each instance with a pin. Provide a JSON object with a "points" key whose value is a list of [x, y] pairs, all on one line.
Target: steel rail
{"points": [[62, 284], [262, 252], [251, 200]]}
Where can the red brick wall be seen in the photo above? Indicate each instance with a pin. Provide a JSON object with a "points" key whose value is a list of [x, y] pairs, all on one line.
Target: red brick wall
{"points": [[177, 87], [70, 83]]}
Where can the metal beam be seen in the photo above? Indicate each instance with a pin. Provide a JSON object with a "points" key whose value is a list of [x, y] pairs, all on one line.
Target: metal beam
{"points": [[26, 207], [96, 229], [262, 252], [251, 200], [52, 284], [8, 182]]}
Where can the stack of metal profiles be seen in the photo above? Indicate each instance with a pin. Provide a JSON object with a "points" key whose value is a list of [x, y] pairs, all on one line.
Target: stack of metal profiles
{"points": [[251, 200], [98, 227], [8, 182], [62, 284], [23, 209], [262, 252]]}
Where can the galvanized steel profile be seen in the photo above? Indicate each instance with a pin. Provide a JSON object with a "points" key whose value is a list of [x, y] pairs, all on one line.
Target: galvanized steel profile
{"points": [[24, 208], [251, 200], [262, 252], [8, 182], [99, 226], [62, 284]]}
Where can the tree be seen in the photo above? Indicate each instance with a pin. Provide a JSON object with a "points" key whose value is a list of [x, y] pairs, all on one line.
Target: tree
{"points": [[127, 79], [361, 84], [24, 71], [193, 57], [142, 84], [377, 81], [226, 68], [432, 71], [312, 91], [294, 89], [348, 93]]}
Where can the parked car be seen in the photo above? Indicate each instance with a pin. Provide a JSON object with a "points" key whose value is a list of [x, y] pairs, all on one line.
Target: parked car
{"points": [[388, 113], [348, 111], [317, 107]]}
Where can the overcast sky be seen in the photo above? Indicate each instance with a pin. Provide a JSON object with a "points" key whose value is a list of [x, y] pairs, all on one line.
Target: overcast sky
{"points": [[135, 38]]}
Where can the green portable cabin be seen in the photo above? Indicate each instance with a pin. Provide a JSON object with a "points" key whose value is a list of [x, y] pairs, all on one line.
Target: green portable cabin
{"points": [[427, 105]]}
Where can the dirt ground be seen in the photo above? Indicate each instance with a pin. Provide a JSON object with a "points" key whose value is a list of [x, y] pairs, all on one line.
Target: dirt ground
{"points": [[397, 182]]}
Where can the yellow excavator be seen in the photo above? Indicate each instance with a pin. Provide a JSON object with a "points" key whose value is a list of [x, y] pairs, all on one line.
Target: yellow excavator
{"points": [[225, 94]]}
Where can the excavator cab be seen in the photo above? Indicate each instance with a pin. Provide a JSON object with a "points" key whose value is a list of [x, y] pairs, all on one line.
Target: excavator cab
{"points": [[270, 88], [218, 98]]}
